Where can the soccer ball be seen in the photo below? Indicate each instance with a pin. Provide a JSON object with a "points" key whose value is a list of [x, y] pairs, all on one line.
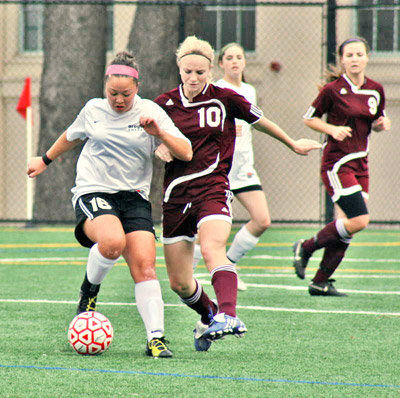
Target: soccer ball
{"points": [[90, 333]]}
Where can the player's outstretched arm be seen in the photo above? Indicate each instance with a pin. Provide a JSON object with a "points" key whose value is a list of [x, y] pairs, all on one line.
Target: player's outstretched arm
{"points": [[301, 147], [36, 165]]}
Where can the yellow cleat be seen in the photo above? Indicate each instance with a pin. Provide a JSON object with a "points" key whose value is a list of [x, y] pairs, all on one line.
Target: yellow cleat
{"points": [[157, 348]]}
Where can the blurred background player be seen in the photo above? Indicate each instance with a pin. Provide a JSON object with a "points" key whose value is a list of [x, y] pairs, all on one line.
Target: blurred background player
{"points": [[113, 178], [243, 179], [354, 104], [197, 198]]}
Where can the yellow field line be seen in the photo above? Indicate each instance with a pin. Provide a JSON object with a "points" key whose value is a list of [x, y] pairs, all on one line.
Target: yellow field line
{"points": [[271, 244]]}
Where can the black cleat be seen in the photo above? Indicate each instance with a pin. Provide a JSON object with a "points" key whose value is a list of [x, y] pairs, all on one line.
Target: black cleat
{"points": [[324, 289], [86, 303], [87, 296], [157, 348], [300, 259]]}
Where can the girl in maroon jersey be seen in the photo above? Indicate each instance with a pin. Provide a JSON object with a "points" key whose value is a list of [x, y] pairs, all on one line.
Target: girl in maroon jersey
{"points": [[243, 178], [196, 194], [354, 104]]}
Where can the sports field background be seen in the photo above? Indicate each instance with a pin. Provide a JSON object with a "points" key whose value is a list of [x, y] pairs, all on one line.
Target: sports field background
{"points": [[296, 346]]}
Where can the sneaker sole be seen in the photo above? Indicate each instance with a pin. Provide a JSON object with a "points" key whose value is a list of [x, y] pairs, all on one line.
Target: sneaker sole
{"points": [[315, 292], [221, 334]]}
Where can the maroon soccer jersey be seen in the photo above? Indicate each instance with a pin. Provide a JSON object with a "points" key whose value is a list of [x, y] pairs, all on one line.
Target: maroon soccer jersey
{"points": [[347, 105], [209, 123]]}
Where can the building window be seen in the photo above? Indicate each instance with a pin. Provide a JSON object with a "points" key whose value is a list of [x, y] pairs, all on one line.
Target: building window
{"points": [[32, 27], [224, 24], [379, 25]]}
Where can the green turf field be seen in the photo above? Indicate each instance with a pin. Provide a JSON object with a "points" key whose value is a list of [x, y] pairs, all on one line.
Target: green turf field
{"points": [[296, 346]]}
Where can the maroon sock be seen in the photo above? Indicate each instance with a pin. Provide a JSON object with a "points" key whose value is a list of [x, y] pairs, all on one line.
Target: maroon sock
{"points": [[333, 256], [320, 276], [225, 287], [203, 306], [324, 237]]}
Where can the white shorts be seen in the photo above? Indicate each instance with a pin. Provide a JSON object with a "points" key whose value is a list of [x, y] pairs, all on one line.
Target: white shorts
{"points": [[243, 173]]}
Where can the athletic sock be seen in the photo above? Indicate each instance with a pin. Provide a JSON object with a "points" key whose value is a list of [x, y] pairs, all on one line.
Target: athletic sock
{"points": [[242, 243], [332, 257], [331, 233], [201, 303], [320, 276], [224, 281], [151, 307], [98, 266]]}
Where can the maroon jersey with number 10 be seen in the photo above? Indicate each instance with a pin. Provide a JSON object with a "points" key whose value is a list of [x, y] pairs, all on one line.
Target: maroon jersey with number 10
{"points": [[209, 123]]}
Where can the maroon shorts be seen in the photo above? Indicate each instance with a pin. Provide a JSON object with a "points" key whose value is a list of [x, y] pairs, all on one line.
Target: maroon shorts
{"points": [[344, 182], [181, 221]]}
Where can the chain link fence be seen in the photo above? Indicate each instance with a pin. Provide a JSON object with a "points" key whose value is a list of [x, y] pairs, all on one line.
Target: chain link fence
{"points": [[286, 51]]}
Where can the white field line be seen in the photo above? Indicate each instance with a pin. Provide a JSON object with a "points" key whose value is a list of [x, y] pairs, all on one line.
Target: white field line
{"points": [[243, 307], [290, 274], [287, 287]]}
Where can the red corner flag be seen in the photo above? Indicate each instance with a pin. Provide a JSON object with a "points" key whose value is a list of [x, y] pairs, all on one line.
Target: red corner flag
{"points": [[25, 98]]}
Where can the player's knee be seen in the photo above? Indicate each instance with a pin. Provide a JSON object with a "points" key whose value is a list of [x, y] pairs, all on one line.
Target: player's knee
{"points": [[212, 248], [207, 252], [264, 224], [112, 247], [359, 223]]}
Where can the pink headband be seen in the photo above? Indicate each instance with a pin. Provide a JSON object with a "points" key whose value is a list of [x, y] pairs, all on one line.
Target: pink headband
{"points": [[126, 70]]}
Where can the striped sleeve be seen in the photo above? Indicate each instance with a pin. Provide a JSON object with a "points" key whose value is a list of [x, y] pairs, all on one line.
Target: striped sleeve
{"points": [[310, 113], [256, 111]]}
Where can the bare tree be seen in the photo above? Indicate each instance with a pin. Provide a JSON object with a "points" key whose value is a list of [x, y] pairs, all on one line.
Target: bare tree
{"points": [[74, 48], [154, 37]]}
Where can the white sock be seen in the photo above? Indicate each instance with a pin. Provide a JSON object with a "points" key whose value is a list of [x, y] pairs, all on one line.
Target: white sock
{"points": [[243, 242], [98, 266], [151, 307], [197, 255]]}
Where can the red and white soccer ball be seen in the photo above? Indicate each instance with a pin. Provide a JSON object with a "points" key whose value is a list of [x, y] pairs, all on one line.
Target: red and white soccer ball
{"points": [[90, 333]]}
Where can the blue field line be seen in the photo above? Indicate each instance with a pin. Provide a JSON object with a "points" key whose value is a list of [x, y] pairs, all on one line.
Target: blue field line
{"points": [[136, 372]]}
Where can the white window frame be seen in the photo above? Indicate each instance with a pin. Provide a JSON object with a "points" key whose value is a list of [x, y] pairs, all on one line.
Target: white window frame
{"points": [[375, 29], [238, 10], [40, 28]]}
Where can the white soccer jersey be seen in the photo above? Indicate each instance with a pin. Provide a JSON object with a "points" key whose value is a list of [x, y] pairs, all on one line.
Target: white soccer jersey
{"points": [[242, 172], [118, 153]]}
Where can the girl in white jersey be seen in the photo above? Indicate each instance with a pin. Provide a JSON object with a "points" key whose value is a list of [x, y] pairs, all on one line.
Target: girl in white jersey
{"points": [[113, 178], [244, 181]]}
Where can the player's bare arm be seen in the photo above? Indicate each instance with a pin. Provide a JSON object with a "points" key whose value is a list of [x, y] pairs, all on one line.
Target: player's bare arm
{"points": [[36, 165], [177, 147], [301, 147], [339, 133]]}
